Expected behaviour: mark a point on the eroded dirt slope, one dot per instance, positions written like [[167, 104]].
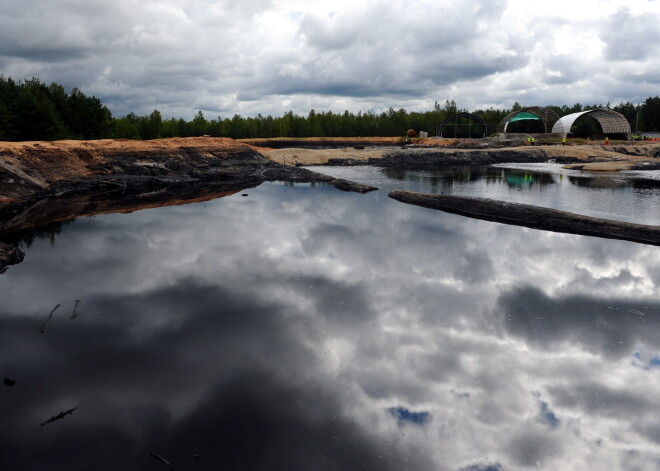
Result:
[[31, 170], [45, 168]]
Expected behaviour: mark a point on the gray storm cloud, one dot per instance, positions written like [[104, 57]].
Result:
[[268, 57]]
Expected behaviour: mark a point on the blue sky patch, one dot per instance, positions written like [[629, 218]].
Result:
[[547, 416], [403, 415], [639, 362], [488, 467]]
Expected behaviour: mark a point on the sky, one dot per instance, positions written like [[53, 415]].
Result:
[[270, 56]]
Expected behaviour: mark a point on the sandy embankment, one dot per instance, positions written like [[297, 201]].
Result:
[[31, 170], [588, 157], [319, 156], [608, 159]]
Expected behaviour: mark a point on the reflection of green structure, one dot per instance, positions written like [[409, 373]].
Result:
[[519, 180], [546, 117]]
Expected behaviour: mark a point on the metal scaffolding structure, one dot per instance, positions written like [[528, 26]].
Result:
[[610, 121], [547, 116], [472, 117]]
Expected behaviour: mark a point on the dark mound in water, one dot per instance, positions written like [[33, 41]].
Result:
[[535, 217]]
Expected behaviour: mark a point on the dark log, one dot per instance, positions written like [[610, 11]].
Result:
[[535, 217]]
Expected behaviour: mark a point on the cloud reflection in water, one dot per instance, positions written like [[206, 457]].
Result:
[[280, 330]]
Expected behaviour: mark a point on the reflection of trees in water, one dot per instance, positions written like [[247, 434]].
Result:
[[610, 183], [446, 177], [598, 182], [440, 180], [12, 242], [27, 237], [395, 173], [641, 184]]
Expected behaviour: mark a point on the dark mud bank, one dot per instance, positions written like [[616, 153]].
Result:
[[19, 221], [534, 217], [44, 217], [430, 158]]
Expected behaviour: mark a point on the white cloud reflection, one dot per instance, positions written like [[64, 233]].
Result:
[[284, 326]]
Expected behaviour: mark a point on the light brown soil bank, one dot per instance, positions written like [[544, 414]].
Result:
[[413, 157], [323, 142], [37, 169], [299, 156], [532, 216]]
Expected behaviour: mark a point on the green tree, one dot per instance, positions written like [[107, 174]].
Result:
[[451, 108], [630, 111], [7, 119], [150, 127], [650, 114], [199, 124], [38, 119], [125, 128]]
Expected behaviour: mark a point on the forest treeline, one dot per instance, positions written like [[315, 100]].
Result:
[[33, 110]]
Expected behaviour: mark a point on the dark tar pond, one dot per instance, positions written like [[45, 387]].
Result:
[[303, 328]]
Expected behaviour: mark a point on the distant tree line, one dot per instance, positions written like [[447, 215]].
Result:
[[32, 110]]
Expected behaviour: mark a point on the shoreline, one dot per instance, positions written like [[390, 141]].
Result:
[[590, 157], [51, 182], [30, 171], [44, 183]]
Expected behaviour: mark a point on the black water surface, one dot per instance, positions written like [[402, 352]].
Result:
[[306, 328]]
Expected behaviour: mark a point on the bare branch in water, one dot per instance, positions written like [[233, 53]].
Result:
[[59, 416], [50, 316], [75, 306], [161, 459]]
